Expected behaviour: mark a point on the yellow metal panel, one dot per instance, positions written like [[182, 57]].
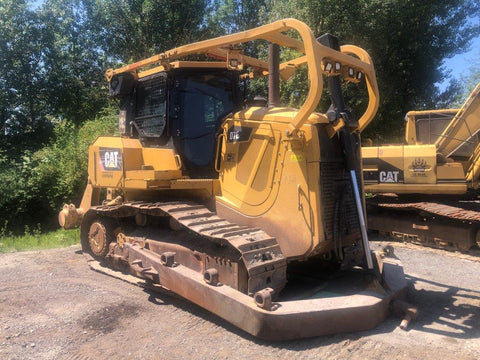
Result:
[[290, 211], [161, 159], [370, 152], [420, 164], [108, 141], [248, 167], [294, 211], [106, 162], [392, 155], [277, 114], [132, 166], [153, 174], [132, 154], [450, 172], [147, 184]]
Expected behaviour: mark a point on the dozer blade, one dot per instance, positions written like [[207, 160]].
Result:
[[324, 313]]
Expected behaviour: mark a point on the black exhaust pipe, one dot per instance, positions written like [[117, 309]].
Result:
[[273, 75]]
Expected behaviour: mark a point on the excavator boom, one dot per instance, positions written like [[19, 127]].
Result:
[[463, 128]]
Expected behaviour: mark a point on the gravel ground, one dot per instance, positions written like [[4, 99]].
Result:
[[52, 306]]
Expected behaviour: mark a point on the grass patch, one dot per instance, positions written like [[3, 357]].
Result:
[[35, 240]]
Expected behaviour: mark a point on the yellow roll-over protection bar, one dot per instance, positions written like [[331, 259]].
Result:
[[315, 56]]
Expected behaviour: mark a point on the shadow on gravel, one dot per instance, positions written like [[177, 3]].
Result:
[[158, 296], [445, 310]]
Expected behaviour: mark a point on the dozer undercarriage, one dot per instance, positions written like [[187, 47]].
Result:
[[246, 259], [239, 273]]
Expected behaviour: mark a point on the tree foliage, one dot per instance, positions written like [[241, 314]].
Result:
[[35, 186], [22, 77], [469, 80], [74, 63], [230, 16], [135, 29]]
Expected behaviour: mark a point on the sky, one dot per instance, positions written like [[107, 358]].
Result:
[[460, 64]]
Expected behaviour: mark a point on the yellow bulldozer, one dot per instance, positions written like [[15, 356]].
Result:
[[249, 209], [426, 190]]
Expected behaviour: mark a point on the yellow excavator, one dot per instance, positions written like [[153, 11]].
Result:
[[426, 189], [249, 209]]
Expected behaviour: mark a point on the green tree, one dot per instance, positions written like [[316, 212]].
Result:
[[50, 65], [469, 80], [74, 63], [130, 30], [230, 16], [22, 82], [34, 187]]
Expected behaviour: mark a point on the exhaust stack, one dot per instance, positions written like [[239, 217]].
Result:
[[273, 75]]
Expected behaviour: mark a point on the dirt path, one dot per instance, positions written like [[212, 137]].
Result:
[[52, 306]]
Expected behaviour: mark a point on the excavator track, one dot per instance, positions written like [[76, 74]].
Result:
[[259, 253], [440, 225]]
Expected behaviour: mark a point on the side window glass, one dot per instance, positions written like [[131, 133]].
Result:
[[201, 101]]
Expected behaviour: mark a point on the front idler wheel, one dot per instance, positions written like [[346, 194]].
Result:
[[100, 235]]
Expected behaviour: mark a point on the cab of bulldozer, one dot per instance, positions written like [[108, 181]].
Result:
[[182, 108]]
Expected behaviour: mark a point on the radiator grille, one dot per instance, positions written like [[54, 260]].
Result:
[[335, 182], [150, 109]]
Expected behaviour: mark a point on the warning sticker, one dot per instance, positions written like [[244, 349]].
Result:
[[296, 157]]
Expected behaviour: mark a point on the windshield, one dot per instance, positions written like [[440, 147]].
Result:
[[202, 100]]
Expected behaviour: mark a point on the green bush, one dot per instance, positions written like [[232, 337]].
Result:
[[35, 187]]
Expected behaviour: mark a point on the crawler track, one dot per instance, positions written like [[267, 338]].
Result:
[[449, 226], [187, 249], [259, 253]]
